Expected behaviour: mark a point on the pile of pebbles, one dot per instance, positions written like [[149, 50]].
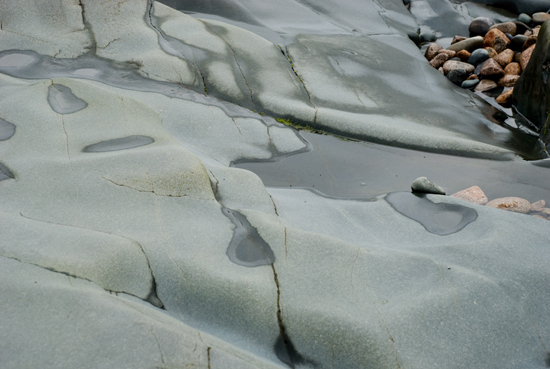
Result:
[[476, 195], [515, 204], [493, 56]]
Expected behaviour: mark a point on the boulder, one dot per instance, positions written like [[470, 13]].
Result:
[[480, 26], [532, 90], [470, 44], [513, 69], [452, 64], [486, 85], [491, 69], [472, 194], [423, 184], [432, 51], [515, 204], [507, 27]]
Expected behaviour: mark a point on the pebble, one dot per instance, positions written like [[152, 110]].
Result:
[[515, 204], [508, 80], [521, 27], [463, 55], [531, 40], [538, 206], [452, 64], [517, 59], [480, 26], [473, 76], [423, 184], [508, 27], [470, 44], [469, 83], [526, 56], [473, 194], [432, 51], [439, 60], [451, 53], [458, 39], [500, 44], [492, 37], [540, 17], [535, 31], [492, 52], [505, 98], [457, 76], [504, 58], [513, 69], [517, 42], [491, 69], [478, 56], [525, 18], [486, 85], [546, 211]]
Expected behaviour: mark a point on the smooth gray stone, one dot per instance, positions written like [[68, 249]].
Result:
[[470, 83], [525, 18], [478, 56], [480, 26], [470, 44], [423, 184]]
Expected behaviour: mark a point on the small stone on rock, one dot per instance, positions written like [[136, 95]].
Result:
[[452, 64], [526, 56], [505, 57], [450, 53], [469, 83], [531, 40], [540, 17], [457, 76], [473, 194], [480, 26], [439, 60], [513, 69], [469, 44], [492, 37], [508, 80], [515, 204], [423, 184], [508, 27], [505, 98], [478, 56], [458, 39], [517, 42], [491, 69], [463, 55], [486, 85], [492, 52], [472, 76], [432, 51], [524, 18], [538, 206]]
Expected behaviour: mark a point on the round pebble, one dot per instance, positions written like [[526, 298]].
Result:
[[524, 18], [457, 76], [478, 56], [480, 26], [470, 83], [517, 42]]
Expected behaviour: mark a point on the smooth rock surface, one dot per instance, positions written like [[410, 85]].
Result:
[[480, 26]]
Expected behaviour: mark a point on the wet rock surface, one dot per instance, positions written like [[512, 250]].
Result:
[[161, 208]]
